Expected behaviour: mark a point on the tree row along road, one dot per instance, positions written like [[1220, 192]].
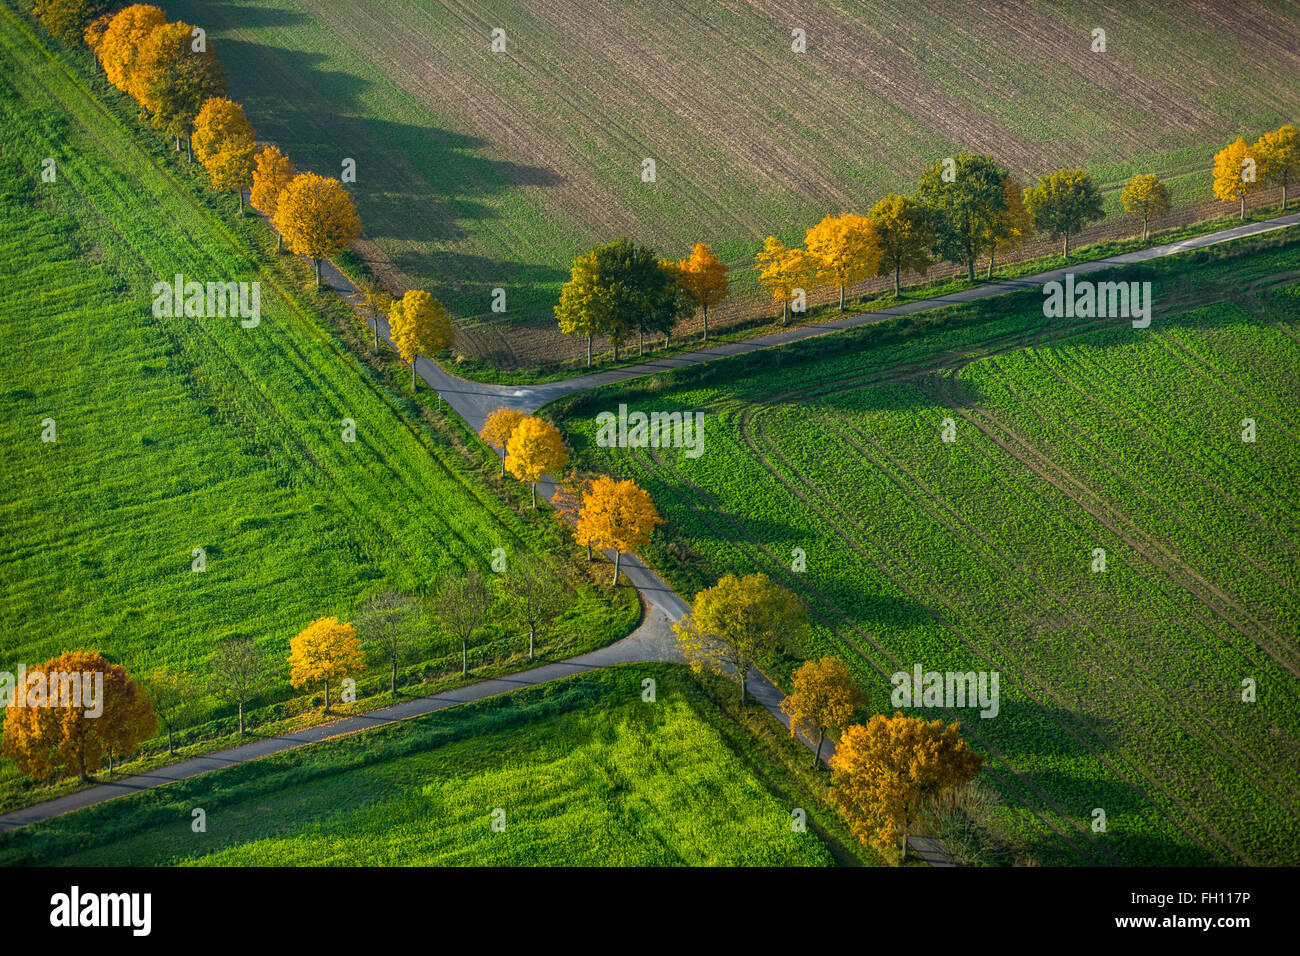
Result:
[[653, 639]]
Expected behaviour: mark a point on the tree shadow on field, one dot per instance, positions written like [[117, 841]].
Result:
[[1127, 839], [415, 183], [225, 12]]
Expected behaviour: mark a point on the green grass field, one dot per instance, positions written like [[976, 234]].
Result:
[[1119, 690], [479, 170], [178, 433], [586, 772]]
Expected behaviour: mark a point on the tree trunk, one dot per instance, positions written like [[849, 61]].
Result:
[[1243, 207], [743, 678], [317, 262], [1144, 230], [534, 484], [618, 555], [588, 351], [991, 255], [532, 637], [817, 754], [589, 558], [640, 341], [414, 381], [503, 461], [1284, 197], [785, 306], [615, 353], [240, 193], [279, 246], [706, 305], [189, 148], [897, 270], [970, 268], [327, 697], [393, 683], [841, 297], [110, 763], [1067, 247], [376, 328], [170, 748], [241, 718], [464, 658]]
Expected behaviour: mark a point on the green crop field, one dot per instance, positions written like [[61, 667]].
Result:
[[478, 170], [180, 433], [1121, 689], [586, 772]]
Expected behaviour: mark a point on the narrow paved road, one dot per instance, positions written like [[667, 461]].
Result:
[[653, 639], [474, 401]]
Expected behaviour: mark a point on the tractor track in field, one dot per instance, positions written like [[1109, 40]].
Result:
[[1279, 523], [1118, 524], [1099, 396], [936, 506], [831, 610], [378, 532], [837, 517], [1137, 486]]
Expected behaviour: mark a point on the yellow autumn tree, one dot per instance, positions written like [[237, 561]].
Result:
[[846, 247], [68, 19], [783, 270], [272, 171], [68, 719], [224, 143], [419, 325], [1237, 173], [823, 697], [906, 233], [535, 448], [317, 217], [325, 650], [497, 429], [1279, 153], [177, 80], [884, 772], [584, 304], [1010, 226], [704, 276], [121, 45], [619, 515], [1145, 197], [94, 35], [737, 624]]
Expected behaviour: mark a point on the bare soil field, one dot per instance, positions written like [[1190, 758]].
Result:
[[479, 170]]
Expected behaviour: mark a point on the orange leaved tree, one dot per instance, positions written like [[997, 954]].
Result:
[[705, 277], [121, 43], [535, 448], [619, 515], [224, 142], [317, 217], [68, 19], [73, 710], [272, 171], [824, 696], [325, 650], [497, 429], [884, 772], [176, 80]]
